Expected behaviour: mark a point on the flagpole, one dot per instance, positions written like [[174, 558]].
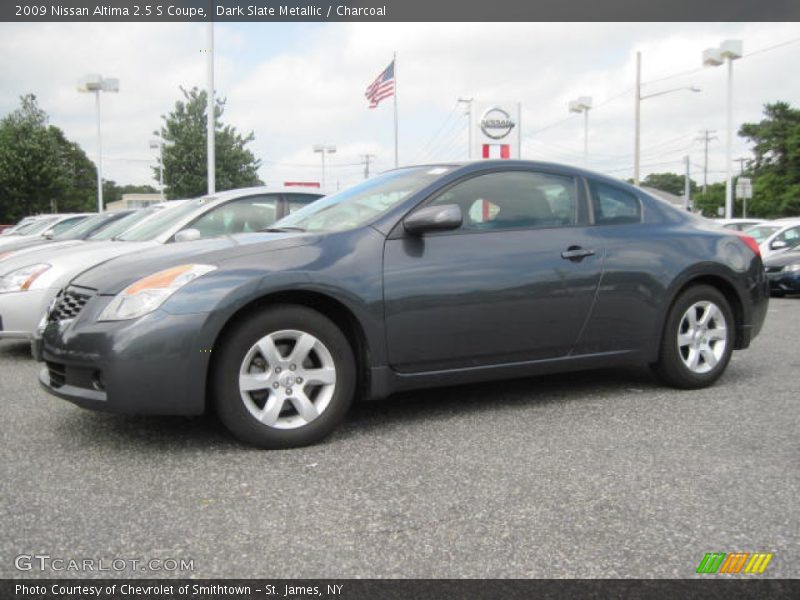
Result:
[[394, 62]]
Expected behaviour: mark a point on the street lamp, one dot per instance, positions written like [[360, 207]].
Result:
[[96, 84], [324, 149], [468, 113], [582, 105], [158, 144], [638, 102], [728, 51]]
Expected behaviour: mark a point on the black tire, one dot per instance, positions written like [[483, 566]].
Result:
[[777, 294], [234, 348], [670, 367]]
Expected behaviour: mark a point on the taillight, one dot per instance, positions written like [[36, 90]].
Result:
[[751, 243]]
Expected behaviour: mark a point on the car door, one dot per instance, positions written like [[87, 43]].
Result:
[[516, 282]]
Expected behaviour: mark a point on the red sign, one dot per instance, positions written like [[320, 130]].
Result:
[[311, 184]]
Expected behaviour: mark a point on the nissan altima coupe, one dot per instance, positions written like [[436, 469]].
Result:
[[423, 276]]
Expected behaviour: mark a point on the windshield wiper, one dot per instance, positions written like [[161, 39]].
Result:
[[281, 229]]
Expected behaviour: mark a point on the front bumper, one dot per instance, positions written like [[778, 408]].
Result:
[[20, 312], [152, 365], [784, 282]]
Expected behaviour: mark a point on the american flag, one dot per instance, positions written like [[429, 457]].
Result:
[[382, 87]]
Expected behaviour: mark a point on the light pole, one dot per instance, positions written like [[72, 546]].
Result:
[[159, 143], [324, 149], [637, 111], [728, 51], [96, 84], [468, 102], [582, 105], [211, 127]]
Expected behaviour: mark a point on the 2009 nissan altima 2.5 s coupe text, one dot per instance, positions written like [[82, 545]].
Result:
[[423, 276]]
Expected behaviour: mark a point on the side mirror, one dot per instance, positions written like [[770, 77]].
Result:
[[187, 235], [434, 218], [778, 244]]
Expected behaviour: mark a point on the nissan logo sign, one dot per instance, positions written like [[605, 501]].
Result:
[[496, 123]]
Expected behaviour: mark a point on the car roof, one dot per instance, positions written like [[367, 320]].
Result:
[[262, 189]]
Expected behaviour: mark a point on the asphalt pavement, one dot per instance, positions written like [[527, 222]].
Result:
[[597, 474]]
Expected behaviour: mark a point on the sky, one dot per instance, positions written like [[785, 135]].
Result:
[[299, 84]]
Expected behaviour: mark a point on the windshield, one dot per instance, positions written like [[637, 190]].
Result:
[[37, 226], [122, 225], [361, 203], [761, 232], [158, 224], [77, 232]]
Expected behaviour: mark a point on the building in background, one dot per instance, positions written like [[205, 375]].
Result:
[[131, 201]]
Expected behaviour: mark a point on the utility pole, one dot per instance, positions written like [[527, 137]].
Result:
[[741, 162], [705, 137], [367, 158], [687, 184]]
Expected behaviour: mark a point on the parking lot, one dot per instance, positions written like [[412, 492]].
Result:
[[601, 474]]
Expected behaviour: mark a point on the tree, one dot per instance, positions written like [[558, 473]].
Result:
[[184, 154], [776, 165], [40, 170], [668, 182]]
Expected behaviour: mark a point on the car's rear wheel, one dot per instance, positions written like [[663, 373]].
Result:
[[284, 377], [698, 339]]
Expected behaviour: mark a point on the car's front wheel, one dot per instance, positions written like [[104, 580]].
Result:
[[698, 339], [283, 378]]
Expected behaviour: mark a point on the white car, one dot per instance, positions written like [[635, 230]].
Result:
[[739, 224], [775, 237], [30, 282]]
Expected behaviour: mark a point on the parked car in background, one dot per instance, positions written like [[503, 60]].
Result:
[[783, 272], [80, 231], [21, 223], [42, 228], [30, 281], [420, 277], [739, 224], [775, 237]]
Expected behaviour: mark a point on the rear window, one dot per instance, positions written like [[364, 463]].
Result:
[[614, 206]]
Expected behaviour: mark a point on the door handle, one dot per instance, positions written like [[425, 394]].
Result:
[[576, 253]]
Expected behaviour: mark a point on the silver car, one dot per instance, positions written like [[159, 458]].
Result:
[[42, 227], [30, 282]]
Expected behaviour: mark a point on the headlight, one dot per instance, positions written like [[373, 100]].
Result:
[[21, 279], [794, 267], [147, 294]]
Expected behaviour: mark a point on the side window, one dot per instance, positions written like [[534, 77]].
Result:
[[239, 216], [298, 201], [790, 236], [514, 199], [613, 206]]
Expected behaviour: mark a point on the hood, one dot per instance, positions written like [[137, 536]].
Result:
[[781, 260], [113, 276]]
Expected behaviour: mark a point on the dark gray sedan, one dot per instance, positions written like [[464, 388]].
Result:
[[423, 276]]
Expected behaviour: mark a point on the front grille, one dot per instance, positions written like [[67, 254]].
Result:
[[57, 373], [68, 305], [774, 269]]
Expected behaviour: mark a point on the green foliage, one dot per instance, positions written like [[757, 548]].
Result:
[[668, 182], [40, 170], [184, 130], [775, 168]]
